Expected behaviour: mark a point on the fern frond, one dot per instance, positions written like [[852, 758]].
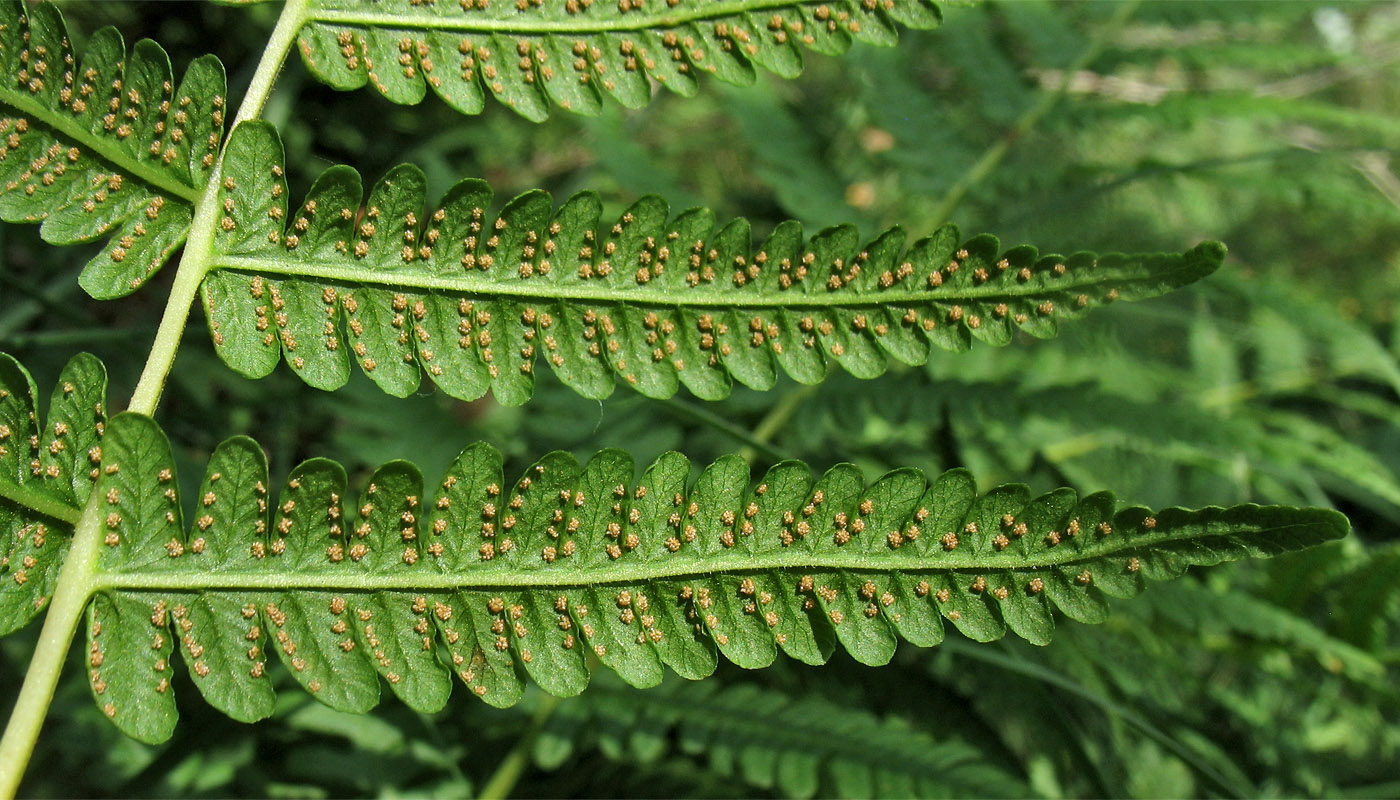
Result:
[[46, 475], [1282, 452], [659, 302], [1293, 332], [1194, 606], [103, 145], [526, 578], [573, 54], [798, 746], [1268, 424], [1368, 592]]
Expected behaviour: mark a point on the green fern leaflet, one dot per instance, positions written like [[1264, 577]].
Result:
[[526, 578], [46, 475], [798, 746], [103, 146], [533, 55], [475, 300]]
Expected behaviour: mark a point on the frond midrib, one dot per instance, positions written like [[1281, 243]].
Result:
[[106, 150], [526, 25], [698, 567], [713, 296], [38, 503]]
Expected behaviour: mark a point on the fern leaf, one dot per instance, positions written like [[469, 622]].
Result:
[[532, 57], [46, 475], [1196, 607], [796, 745], [658, 301], [524, 579], [1369, 593], [104, 144]]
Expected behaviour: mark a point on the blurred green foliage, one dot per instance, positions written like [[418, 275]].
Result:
[[1269, 125]]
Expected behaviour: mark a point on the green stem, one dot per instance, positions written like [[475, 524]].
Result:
[[194, 265], [74, 588], [539, 23], [508, 774], [775, 419], [197, 258], [992, 157], [1072, 447], [707, 417], [78, 577], [356, 272], [38, 502]]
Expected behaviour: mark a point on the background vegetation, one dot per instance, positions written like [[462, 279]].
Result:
[[1270, 125]]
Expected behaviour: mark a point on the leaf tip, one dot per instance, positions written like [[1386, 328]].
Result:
[[1210, 252], [1332, 524]]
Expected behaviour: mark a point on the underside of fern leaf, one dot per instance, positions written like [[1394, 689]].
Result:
[[493, 581], [46, 475], [572, 54], [103, 144], [475, 299]]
